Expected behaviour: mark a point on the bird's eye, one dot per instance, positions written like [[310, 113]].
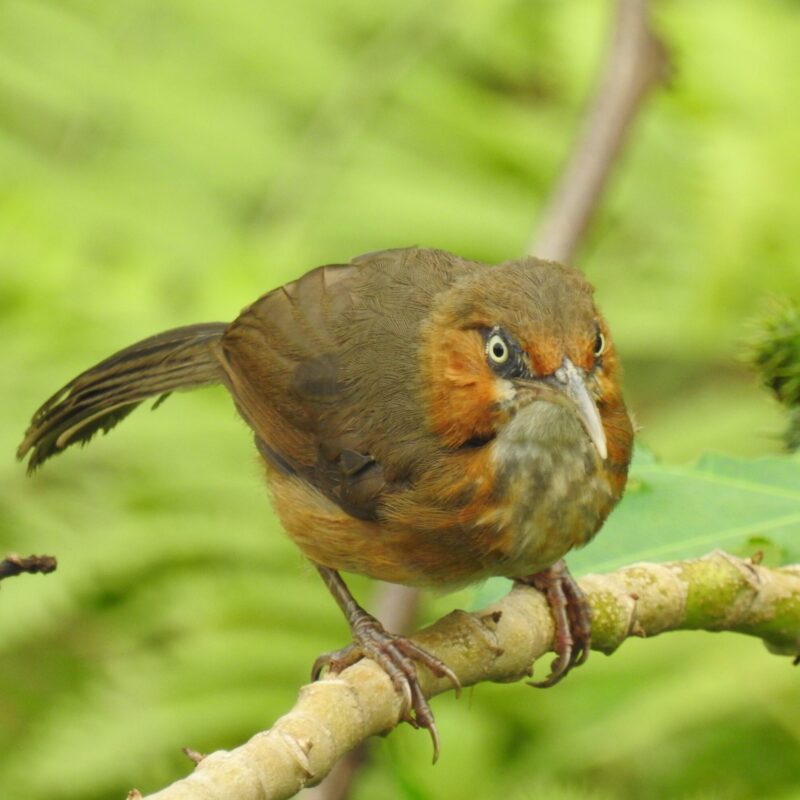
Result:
[[497, 349], [599, 345]]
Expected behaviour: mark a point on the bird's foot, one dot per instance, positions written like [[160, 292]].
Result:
[[572, 617], [396, 656]]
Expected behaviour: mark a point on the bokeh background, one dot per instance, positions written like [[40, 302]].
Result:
[[164, 162]]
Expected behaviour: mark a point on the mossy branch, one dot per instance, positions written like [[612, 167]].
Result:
[[718, 592]]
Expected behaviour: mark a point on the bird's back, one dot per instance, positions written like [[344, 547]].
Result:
[[325, 370]]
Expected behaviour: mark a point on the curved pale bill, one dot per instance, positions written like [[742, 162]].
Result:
[[570, 381]]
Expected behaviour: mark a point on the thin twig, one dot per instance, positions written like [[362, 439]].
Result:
[[635, 63], [14, 564]]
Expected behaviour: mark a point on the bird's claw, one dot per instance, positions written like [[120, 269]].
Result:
[[572, 618], [396, 656]]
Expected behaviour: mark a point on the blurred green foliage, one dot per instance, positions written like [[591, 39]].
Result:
[[163, 162]]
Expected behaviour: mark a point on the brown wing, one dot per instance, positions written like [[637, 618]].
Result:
[[325, 371]]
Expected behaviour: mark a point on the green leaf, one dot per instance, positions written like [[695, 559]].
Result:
[[675, 512]]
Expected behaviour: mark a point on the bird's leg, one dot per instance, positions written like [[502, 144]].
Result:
[[572, 617], [394, 654]]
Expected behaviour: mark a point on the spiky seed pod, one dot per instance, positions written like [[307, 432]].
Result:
[[774, 352]]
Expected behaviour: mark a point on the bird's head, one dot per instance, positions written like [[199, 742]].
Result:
[[514, 334]]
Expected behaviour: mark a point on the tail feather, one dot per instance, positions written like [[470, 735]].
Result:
[[104, 395]]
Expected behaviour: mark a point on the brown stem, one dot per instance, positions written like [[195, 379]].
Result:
[[635, 63]]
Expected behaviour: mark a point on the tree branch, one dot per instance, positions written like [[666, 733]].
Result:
[[635, 63], [14, 564], [715, 593]]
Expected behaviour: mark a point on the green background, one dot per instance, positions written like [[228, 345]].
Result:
[[165, 162]]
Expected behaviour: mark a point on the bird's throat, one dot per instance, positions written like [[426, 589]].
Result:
[[553, 484]]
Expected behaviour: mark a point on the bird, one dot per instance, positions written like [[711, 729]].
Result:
[[422, 418]]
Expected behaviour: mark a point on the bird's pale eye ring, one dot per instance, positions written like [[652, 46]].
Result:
[[497, 349], [599, 345]]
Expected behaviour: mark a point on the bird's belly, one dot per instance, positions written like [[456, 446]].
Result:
[[555, 493], [512, 509]]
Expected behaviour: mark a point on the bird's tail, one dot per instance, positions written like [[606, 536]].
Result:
[[182, 358]]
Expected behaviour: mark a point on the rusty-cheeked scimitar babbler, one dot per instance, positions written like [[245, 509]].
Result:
[[422, 418]]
